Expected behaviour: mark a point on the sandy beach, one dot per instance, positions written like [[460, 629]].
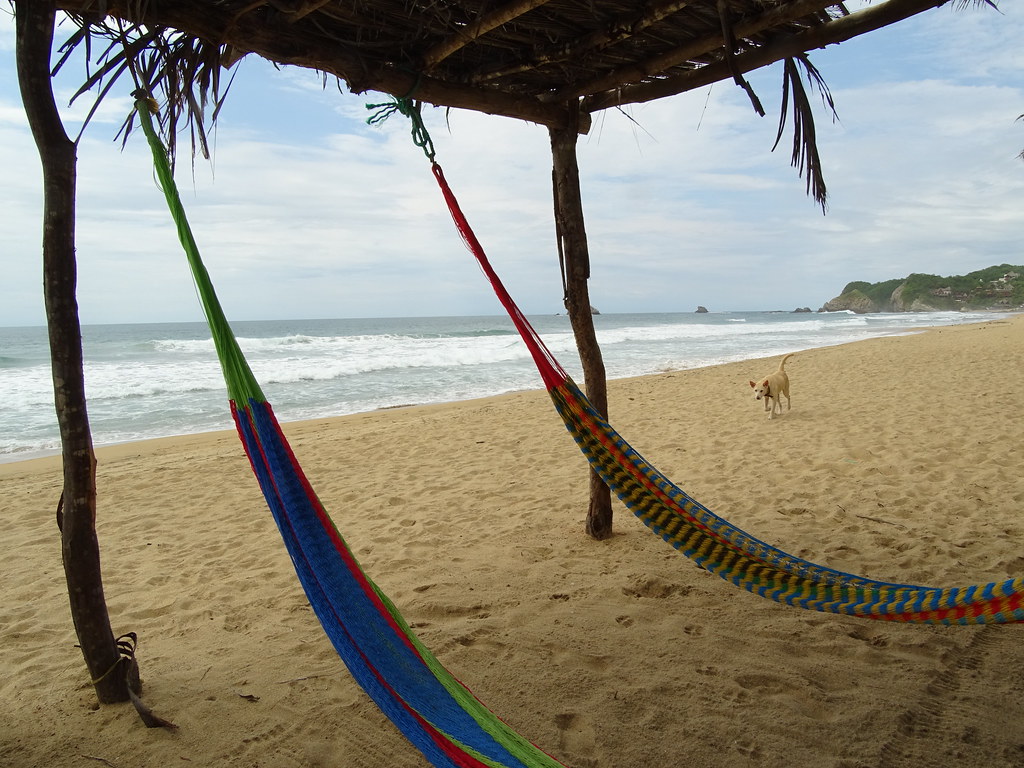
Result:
[[900, 460]]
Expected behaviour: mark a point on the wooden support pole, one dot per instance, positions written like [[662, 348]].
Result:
[[77, 517], [573, 241]]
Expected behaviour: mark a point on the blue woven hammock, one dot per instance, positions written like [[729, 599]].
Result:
[[438, 714]]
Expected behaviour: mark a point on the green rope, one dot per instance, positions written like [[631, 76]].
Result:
[[411, 109], [241, 383]]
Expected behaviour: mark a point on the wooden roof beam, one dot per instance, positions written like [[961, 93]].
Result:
[[307, 9], [476, 29], [836, 31], [613, 32], [695, 49]]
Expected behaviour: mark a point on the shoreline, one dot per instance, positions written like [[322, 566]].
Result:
[[8, 459], [892, 464]]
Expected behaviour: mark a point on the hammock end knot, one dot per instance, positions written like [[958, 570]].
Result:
[[411, 109], [144, 99]]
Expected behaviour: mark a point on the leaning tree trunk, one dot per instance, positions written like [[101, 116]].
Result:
[[572, 236], [77, 517]]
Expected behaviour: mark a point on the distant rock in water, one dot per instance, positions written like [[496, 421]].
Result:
[[801, 309], [702, 310], [594, 310]]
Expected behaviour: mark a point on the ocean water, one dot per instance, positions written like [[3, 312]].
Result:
[[145, 381]]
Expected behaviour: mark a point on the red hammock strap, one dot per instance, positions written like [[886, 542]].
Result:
[[550, 370]]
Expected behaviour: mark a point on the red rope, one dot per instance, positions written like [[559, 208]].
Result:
[[550, 370]]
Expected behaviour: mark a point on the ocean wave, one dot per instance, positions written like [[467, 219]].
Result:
[[143, 384], [687, 333]]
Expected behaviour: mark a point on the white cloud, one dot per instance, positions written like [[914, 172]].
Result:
[[306, 211]]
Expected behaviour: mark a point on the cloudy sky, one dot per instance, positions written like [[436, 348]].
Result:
[[305, 211]]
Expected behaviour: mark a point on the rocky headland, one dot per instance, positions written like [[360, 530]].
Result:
[[996, 287]]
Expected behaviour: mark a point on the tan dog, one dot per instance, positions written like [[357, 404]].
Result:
[[774, 386]]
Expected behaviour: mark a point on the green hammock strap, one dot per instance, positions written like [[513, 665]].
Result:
[[242, 385], [411, 109]]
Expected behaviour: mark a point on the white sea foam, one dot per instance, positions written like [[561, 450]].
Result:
[[154, 380]]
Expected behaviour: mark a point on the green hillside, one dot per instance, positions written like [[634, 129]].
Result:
[[995, 287]]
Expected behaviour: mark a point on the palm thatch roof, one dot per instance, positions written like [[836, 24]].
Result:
[[535, 60], [552, 62]]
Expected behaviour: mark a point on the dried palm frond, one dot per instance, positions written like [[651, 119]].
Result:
[[183, 72], [805, 149], [1021, 155]]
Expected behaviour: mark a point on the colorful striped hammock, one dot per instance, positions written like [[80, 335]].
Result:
[[712, 542], [436, 712]]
